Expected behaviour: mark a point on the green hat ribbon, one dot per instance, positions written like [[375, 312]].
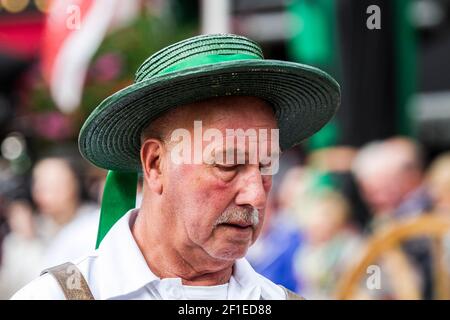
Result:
[[207, 59], [119, 196]]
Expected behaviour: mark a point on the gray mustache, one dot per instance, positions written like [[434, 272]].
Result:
[[248, 215]]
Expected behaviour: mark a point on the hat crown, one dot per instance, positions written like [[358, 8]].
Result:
[[194, 48]]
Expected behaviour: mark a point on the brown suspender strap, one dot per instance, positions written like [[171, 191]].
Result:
[[71, 281]]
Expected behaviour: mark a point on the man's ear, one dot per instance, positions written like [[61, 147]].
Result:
[[152, 151]]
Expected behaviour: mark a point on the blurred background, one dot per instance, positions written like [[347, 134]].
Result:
[[359, 211]]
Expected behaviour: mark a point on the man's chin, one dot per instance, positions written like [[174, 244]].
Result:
[[230, 252]]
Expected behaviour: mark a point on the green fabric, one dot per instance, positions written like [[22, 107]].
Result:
[[208, 59], [313, 32], [327, 137], [406, 65], [314, 40], [311, 40], [119, 196]]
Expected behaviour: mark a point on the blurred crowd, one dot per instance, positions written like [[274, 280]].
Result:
[[56, 222], [326, 210], [323, 210]]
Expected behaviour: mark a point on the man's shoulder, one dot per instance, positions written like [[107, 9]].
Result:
[[46, 287]]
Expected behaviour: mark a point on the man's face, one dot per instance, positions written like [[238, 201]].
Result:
[[218, 204]]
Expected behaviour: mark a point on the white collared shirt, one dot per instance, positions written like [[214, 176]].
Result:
[[118, 270]]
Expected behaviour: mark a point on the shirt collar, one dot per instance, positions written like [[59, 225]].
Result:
[[244, 282], [119, 255]]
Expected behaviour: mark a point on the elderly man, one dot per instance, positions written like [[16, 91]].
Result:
[[204, 192]]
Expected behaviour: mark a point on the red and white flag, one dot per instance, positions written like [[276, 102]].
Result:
[[74, 31]]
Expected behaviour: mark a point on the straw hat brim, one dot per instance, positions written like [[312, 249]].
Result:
[[304, 100]]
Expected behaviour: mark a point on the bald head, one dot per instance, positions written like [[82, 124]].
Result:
[[388, 170], [408, 153], [397, 154]]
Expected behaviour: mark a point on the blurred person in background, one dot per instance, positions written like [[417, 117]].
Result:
[[391, 177], [330, 242], [22, 249], [272, 255], [64, 228], [438, 183], [71, 223], [94, 182], [333, 167], [414, 196]]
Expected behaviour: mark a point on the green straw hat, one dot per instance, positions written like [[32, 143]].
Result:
[[304, 99]]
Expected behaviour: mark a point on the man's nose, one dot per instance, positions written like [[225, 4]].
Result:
[[252, 190]]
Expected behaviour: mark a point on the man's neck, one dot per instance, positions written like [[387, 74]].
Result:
[[192, 264]]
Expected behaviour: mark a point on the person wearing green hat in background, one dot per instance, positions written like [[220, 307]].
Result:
[[200, 211]]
